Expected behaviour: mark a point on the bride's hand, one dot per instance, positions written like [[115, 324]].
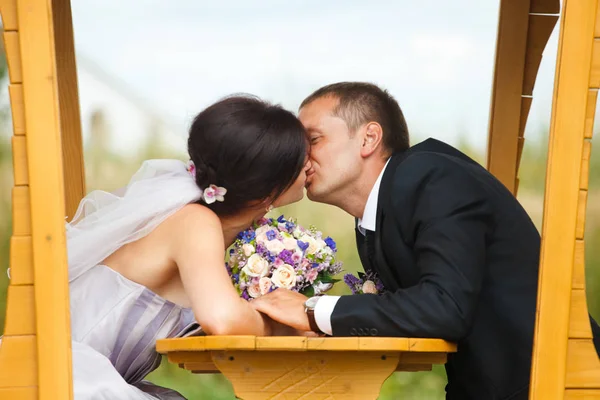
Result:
[[279, 329]]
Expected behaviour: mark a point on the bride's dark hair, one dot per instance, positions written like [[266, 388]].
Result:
[[253, 149]]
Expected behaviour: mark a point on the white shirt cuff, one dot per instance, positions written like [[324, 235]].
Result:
[[323, 311]]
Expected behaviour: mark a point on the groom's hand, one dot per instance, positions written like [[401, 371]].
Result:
[[284, 306]]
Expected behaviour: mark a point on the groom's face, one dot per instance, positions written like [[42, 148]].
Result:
[[334, 152]]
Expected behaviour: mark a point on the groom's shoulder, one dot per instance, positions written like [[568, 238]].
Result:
[[431, 155]]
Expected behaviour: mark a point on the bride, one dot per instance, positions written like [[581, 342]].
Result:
[[147, 262]]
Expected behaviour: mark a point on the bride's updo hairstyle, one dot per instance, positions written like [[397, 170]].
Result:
[[253, 149]]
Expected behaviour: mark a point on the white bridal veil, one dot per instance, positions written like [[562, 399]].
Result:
[[106, 221]]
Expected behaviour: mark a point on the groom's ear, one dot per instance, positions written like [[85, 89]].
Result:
[[372, 136]]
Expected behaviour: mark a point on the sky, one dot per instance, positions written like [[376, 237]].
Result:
[[435, 57]]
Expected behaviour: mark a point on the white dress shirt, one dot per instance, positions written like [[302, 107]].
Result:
[[326, 304]]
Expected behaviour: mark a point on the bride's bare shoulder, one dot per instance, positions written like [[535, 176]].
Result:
[[196, 218]]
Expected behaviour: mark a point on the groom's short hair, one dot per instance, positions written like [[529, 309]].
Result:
[[361, 103]]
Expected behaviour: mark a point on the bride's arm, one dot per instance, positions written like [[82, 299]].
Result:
[[198, 251]]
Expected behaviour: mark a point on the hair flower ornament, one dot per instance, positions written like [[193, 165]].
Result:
[[191, 168], [214, 193]]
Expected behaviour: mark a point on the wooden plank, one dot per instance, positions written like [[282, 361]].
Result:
[[520, 146], [21, 212], [505, 109], [19, 150], [180, 357], [595, 71], [19, 393], [13, 56], [581, 208], [44, 151], [423, 358], [585, 165], [17, 107], [545, 6], [339, 344], [18, 361], [538, 33], [8, 9], [230, 342], [292, 343], [20, 311], [525, 107], [579, 265], [68, 97], [306, 375], [21, 260], [165, 346], [590, 113], [579, 320], [431, 345], [597, 27], [582, 394], [561, 199], [583, 365], [413, 367]]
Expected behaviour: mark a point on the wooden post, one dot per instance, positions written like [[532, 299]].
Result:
[[562, 199], [46, 187]]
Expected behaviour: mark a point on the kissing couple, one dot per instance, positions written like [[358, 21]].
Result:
[[457, 254]]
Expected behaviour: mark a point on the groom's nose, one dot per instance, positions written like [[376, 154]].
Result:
[[308, 164]]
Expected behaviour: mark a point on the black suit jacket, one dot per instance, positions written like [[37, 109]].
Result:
[[458, 256]]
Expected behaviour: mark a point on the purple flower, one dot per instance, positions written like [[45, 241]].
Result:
[[330, 242], [353, 282], [245, 295], [271, 235], [303, 245], [281, 219], [261, 249], [286, 256]]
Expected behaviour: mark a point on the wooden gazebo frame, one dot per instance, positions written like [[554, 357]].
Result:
[[35, 355]]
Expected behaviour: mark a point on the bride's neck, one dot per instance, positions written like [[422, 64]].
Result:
[[238, 223]]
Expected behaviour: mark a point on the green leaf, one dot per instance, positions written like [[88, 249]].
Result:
[[309, 291], [328, 279]]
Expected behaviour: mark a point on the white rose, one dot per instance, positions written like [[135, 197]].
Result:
[[254, 290], [248, 249], [284, 277], [274, 246], [320, 244], [256, 266], [262, 230], [312, 244], [265, 285], [261, 233], [297, 232], [369, 287], [290, 244]]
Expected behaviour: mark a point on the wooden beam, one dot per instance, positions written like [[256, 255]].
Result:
[[505, 109], [68, 98], [44, 153], [562, 198]]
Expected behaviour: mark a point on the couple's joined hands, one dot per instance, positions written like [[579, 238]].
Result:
[[285, 310]]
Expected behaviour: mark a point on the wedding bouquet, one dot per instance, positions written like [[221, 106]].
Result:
[[278, 253], [365, 283]]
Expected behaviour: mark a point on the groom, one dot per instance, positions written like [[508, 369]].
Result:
[[456, 252]]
